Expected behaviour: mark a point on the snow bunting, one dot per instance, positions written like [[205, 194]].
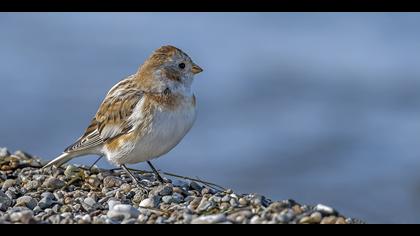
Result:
[[143, 116]]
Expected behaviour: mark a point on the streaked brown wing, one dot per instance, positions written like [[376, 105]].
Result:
[[111, 120]]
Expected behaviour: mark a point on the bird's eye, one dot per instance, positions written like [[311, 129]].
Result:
[[181, 65]]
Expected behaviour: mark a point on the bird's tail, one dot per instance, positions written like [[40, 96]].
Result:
[[60, 160]]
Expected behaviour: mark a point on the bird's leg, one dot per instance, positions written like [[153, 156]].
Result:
[[139, 184], [161, 180], [97, 160]]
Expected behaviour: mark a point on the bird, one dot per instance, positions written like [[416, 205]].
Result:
[[143, 116]]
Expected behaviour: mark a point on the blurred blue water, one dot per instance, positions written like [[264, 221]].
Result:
[[314, 107]]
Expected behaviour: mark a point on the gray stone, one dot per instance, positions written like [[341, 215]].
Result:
[[233, 202], [152, 202], [5, 201], [226, 198], [325, 210], [129, 221], [86, 219], [195, 186], [216, 199], [11, 193], [177, 198], [123, 212], [286, 216], [27, 201], [48, 195], [56, 208], [126, 188], [180, 184], [7, 184], [112, 181], [255, 220], [112, 203], [71, 171], [204, 205], [24, 216], [32, 185], [45, 202], [167, 199], [162, 190], [37, 210], [210, 219], [89, 204], [53, 183]]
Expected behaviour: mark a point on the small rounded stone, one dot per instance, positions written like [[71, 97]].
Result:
[[7, 184], [27, 201], [112, 181], [53, 183]]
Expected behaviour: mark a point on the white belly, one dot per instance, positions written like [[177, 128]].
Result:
[[168, 129]]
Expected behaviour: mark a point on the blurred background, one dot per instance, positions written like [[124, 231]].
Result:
[[317, 107]]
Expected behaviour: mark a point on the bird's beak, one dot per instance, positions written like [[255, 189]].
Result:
[[196, 69]]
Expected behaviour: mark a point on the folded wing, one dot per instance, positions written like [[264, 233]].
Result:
[[111, 120]]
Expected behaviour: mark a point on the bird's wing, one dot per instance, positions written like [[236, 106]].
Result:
[[112, 118]]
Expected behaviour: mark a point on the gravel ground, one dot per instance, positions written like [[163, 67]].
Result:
[[74, 194]]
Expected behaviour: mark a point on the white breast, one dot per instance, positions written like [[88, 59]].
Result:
[[167, 130]]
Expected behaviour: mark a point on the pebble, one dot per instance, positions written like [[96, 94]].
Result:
[[122, 211], [180, 184], [138, 197], [24, 216], [53, 183], [286, 216], [7, 184], [167, 199], [314, 218], [89, 204], [226, 198], [5, 201], [125, 188], [37, 210], [210, 219], [255, 220], [32, 185], [195, 186], [243, 202], [233, 202], [195, 203], [27, 201], [152, 202], [31, 195], [240, 216], [340, 221], [71, 171], [86, 219], [329, 220], [66, 209], [205, 205], [112, 181], [224, 206], [326, 210], [162, 190], [11, 193], [48, 195], [112, 203]]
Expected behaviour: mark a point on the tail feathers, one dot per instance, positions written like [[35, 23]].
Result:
[[60, 160]]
